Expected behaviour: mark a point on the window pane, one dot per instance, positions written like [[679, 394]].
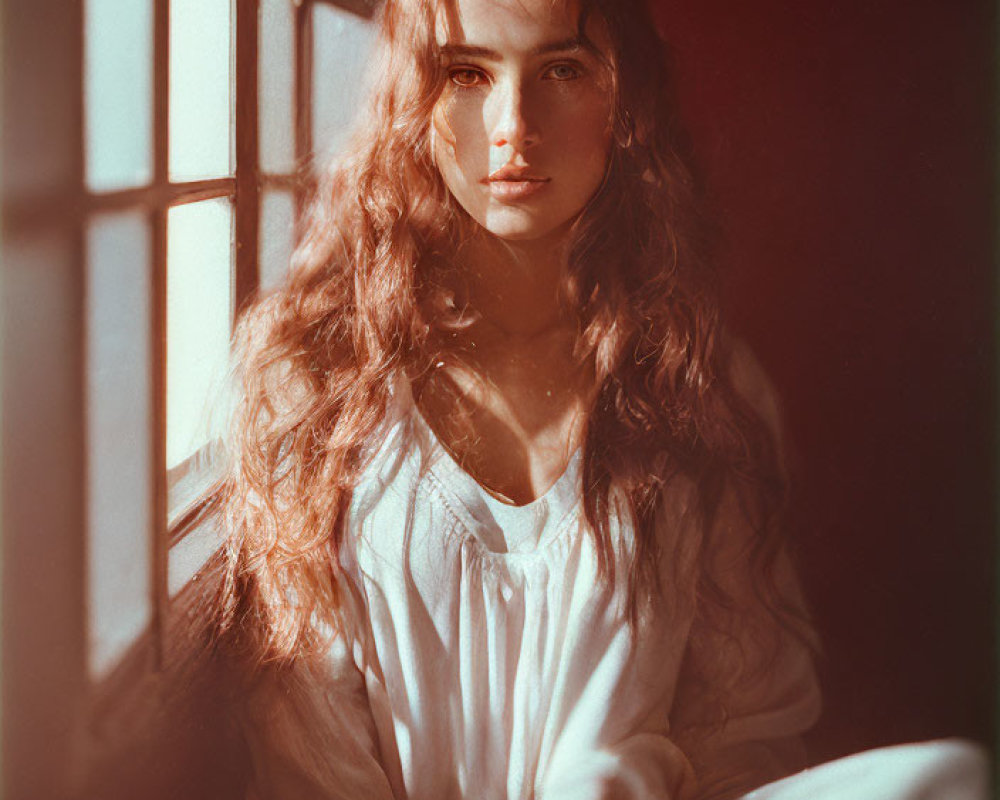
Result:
[[276, 78], [277, 236], [200, 89], [118, 76], [199, 292], [342, 42], [119, 430]]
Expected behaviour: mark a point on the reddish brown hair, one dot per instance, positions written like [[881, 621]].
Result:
[[314, 359]]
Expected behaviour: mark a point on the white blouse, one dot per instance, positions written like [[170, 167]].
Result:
[[486, 662]]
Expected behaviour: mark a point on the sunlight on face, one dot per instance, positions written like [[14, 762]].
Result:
[[521, 131]]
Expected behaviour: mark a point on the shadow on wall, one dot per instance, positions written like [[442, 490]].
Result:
[[849, 148]]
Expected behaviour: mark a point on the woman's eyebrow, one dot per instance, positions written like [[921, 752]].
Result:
[[453, 50], [562, 45], [469, 51]]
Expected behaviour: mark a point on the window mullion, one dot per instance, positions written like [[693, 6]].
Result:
[[158, 332], [303, 102], [247, 212]]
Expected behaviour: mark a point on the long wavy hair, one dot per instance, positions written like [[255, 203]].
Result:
[[314, 359]]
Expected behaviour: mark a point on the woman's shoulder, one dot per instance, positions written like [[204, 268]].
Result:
[[752, 383], [394, 455]]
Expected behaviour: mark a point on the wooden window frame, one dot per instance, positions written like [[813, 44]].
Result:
[[189, 514], [50, 704]]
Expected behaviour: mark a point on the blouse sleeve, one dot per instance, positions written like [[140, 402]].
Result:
[[747, 686], [742, 685], [311, 734], [745, 689]]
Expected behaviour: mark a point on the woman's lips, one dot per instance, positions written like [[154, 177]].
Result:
[[510, 189], [510, 183]]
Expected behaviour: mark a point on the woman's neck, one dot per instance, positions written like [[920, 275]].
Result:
[[514, 286], [510, 406]]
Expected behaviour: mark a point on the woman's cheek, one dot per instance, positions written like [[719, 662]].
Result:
[[465, 119], [442, 133]]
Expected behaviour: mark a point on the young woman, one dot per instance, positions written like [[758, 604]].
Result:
[[504, 492]]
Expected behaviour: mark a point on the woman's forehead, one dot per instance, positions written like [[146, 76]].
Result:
[[524, 23]]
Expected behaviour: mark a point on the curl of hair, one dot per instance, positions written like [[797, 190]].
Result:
[[314, 359]]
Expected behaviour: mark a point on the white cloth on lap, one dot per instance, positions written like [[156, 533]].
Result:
[[949, 769]]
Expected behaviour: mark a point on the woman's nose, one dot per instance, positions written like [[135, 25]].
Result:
[[513, 123]]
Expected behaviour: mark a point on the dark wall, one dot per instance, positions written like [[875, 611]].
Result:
[[849, 145]]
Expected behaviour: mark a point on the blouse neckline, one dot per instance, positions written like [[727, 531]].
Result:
[[503, 528]]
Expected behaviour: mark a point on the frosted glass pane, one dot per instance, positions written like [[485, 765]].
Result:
[[200, 89], [341, 46], [199, 300], [277, 237], [118, 80], [276, 78], [119, 430]]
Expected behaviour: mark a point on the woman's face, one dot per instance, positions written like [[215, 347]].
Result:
[[521, 131]]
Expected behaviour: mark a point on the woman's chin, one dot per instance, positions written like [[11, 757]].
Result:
[[520, 225]]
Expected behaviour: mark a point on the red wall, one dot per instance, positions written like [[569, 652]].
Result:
[[849, 146]]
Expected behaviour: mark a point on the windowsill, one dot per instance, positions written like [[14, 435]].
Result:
[[188, 485], [189, 554], [193, 534]]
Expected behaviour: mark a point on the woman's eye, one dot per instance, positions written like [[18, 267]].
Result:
[[563, 72], [466, 77]]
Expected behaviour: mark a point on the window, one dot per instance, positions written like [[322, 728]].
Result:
[[196, 213], [161, 282], [154, 193]]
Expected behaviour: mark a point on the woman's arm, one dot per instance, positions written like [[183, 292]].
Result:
[[741, 689], [738, 675], [747, 686], [311, 734]]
